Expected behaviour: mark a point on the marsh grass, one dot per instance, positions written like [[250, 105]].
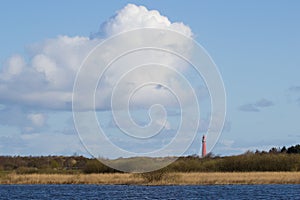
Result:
[[240, 178], [167, 178], [115, 178]]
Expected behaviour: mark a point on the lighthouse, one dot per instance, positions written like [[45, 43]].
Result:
[[203, 146]]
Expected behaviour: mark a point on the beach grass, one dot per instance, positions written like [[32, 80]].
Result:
[[197, 178]]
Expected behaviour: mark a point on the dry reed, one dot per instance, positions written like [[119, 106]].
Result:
[[167, 179]]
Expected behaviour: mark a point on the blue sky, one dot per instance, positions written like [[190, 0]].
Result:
[[255, 45]]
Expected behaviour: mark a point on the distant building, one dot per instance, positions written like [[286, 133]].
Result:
[[203, 146]]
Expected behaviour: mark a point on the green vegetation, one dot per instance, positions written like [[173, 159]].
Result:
[[284, 159], [94, 166], [242, 163]]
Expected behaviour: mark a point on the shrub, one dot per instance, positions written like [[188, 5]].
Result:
[[95, 166], [26, 170], [154, 176]]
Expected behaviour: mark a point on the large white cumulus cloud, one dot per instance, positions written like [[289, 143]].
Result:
[[44, 77], [133, 17]]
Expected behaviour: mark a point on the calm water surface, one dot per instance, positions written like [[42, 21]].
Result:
[[46, 192]]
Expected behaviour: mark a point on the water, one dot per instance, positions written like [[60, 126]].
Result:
[[63, 192]]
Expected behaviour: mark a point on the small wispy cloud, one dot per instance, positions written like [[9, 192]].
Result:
[[227, 143], [256, 106], [248, 108], [263, 103], [294, 89], [295, 92]]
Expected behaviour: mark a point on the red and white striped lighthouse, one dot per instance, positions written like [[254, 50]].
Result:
[[203, 146]]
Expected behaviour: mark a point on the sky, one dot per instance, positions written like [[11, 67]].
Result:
[[254, 44]]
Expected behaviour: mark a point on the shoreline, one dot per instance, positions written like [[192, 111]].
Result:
[[174, 178]]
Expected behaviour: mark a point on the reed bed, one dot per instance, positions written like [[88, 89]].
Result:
[[211, 178], [115, 178], [239, 178]]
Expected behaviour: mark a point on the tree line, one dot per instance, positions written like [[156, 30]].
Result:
[[276, 159]]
